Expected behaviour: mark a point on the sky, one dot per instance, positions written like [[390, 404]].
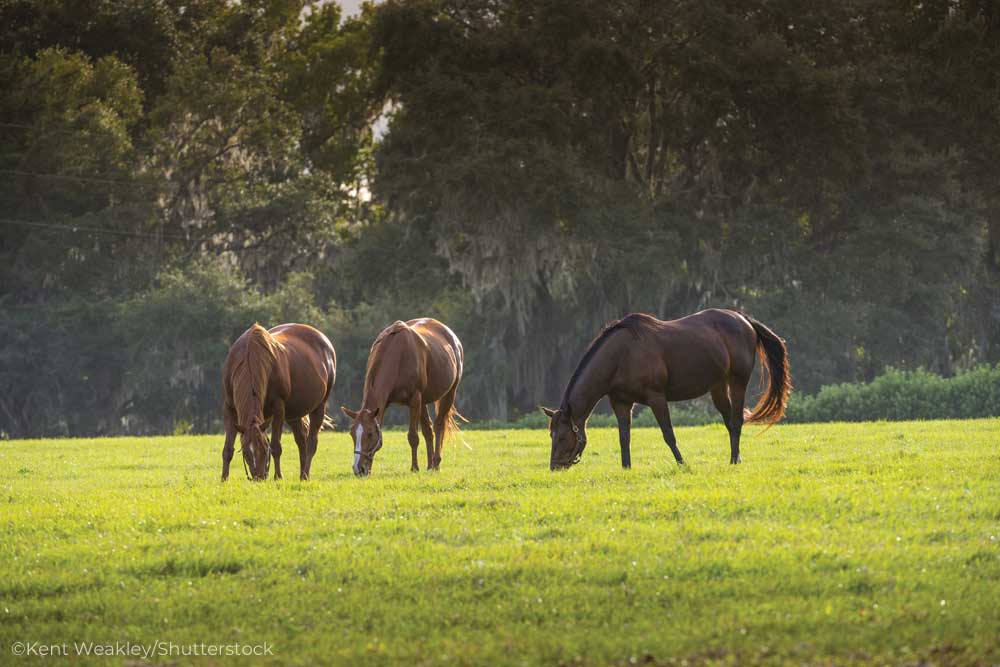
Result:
[[350, 7]]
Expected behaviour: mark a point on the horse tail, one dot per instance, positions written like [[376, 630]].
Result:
[[774, 359], [451, 425], [328, 423]]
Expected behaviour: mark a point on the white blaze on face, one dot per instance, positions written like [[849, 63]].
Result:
[[358, 432]]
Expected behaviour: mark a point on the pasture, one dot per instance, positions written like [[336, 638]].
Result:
[[834, 544]]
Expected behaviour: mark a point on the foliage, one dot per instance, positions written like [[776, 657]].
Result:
[[216, 302], [833, 545], [670, 160], [687, 413], [901, 395], [525, 171], [894, 396]]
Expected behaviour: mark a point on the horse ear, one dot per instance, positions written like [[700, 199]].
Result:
[[549, 412], [351, 414]]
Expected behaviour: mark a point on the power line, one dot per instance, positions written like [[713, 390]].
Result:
[[84, 179], [102, 230], [47, 130], [145, 235]]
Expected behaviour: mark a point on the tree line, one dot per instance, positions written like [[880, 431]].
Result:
[[524, 171]]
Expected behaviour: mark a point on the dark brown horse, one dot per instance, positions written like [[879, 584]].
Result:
[[640, 359], [411, 363], [273, 377]]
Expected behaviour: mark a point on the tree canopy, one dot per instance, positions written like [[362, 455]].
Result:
[[525, 171]]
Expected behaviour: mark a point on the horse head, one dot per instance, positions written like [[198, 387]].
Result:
[[256, 450], [367, 433], [568, 439]]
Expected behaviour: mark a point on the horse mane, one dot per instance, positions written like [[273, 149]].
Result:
[[374, 353], [637, 324], [251, 372]]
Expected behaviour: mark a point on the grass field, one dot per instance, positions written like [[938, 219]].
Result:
[[832, 544]]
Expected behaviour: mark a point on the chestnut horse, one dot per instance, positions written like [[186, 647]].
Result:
[[273, 377], [640, 359], [411, 363]]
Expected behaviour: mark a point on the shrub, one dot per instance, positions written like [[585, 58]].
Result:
[[686, 413], [894, 396], [899, 395]]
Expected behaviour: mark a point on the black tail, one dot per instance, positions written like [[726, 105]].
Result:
[[774, 358]]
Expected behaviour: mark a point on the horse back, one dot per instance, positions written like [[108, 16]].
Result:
[[444, 355], [306, 370], [684, 358], [706, 348]]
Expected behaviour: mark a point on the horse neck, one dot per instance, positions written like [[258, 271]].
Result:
[[381, 376], [251, 385], [582, 401], [592, 383], [375, 399]]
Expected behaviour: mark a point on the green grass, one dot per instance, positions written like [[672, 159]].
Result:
[[831, 544]]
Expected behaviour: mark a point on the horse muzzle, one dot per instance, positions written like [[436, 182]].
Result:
[[256, 470], [566, 463], [363, 468], [563, 464]]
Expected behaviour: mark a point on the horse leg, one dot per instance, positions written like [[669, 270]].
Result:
[[440, 424], [737, 396], [299, 431], [623, 411], [416, 407], [312, 439], [428, 430], [229, 419], [661, 410], [277, 423], [724, 404]]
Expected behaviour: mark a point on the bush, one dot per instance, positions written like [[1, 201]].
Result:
[[686, 413], [894, 396], [178, 333], [900, 395]]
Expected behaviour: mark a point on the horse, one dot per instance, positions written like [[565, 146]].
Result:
[[274, 377], [640, 359], [412, 363]]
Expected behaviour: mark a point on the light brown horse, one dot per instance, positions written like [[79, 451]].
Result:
[[411, 363], [273, 377], [640, 359]]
